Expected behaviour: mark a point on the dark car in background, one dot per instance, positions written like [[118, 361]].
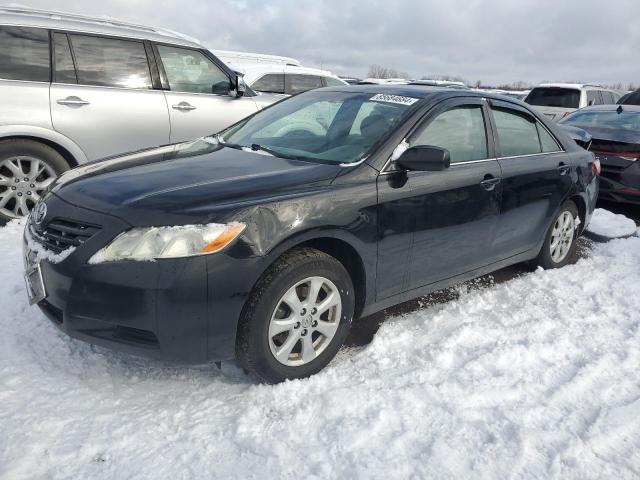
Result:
[[631, 98], [615, 132], [264, 242]]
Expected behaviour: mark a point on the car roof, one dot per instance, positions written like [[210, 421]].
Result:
[[27, 17], [570, 85]]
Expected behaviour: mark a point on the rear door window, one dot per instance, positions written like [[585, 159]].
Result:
[[607, 98], [24, 54], [301, 83], [517, 132], [461, 130], [271, 83], [110, 62], [554, 97], [191, 71]]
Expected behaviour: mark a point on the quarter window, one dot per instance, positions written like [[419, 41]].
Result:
[[517, 133], [593, 97], [65, 72], [271, 83], [460, 130], [302, 83], [24, 54], [110, 62], [191, 71], [547, 142]]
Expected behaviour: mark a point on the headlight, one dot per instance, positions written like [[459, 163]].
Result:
[[152, 243]]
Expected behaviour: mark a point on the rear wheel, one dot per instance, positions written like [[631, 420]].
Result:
[[27, 168], [559, 247], [297, 316]]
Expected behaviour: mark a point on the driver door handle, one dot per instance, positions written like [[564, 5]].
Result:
[[563, 169], [183, 106], [489, 183]]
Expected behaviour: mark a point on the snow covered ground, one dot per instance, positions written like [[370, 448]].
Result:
[[538, 377], [607, 224]]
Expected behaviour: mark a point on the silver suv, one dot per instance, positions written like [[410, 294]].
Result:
[[75, 89]]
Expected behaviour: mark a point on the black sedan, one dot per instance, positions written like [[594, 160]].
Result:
[[615, 132], [265, 241]]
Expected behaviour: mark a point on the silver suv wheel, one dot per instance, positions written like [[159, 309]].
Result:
[[23, 179]]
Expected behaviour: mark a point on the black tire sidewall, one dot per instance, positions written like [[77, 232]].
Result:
[[256, 340], [544, 258]]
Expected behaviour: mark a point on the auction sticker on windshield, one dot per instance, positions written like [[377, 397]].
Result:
[[383, 97]]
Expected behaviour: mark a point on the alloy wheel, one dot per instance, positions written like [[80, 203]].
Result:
[[305, 320], [23, 180], [562, 236]]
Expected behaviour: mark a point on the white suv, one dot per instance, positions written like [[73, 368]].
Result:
[[557, 100], [288, 79], [75, 88]]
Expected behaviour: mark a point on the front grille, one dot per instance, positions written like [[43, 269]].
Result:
[[61, 234]]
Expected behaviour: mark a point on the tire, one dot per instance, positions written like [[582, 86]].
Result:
[[17, 158], [546, 258], [298, 270]]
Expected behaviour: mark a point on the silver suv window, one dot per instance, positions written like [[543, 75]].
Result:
[[190, 71], [111, 62], [24, 54]]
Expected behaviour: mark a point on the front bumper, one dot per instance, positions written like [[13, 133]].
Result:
[[183, 310], [620, 179]]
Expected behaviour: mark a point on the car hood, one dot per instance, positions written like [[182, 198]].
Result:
[[188, 182]]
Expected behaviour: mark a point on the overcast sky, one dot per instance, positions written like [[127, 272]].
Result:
[[495, 41]]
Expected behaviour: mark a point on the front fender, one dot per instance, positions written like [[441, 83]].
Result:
[[40, 133]]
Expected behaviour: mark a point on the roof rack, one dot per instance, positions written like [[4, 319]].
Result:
[[101, 20]]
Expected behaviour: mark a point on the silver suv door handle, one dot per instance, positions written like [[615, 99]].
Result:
[[74, 101], [184, 106]]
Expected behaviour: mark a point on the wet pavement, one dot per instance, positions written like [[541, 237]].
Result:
[[364, 329]]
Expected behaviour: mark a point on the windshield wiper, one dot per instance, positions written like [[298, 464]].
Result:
[[256, 148]]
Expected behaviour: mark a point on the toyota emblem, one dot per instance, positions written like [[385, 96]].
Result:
[[39, 213]]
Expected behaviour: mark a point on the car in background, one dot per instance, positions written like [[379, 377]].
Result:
[[383, 81], [615, 132], [75, 88], [287, 79], [238, 59], [351, 80], [264, 246], [557, 100], [439, 83], [630, 98]]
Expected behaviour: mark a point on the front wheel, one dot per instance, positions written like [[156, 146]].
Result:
[[297, 317], [559, 247]]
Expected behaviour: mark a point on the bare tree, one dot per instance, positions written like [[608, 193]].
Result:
[[378, 71]]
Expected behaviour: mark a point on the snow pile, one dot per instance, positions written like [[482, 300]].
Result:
[[611, 225], [534, 378]]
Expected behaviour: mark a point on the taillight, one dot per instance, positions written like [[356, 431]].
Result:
[[597, 168]]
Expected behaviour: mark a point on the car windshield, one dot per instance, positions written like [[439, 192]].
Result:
[[324, 126], [605, 119], [554, 97]]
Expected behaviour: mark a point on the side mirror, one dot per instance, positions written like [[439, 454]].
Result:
[[425, 158], [239, 86]]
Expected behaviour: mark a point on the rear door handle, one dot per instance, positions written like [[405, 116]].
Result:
[[72, 101], [183, 106], [489, 183], [563, 169]]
